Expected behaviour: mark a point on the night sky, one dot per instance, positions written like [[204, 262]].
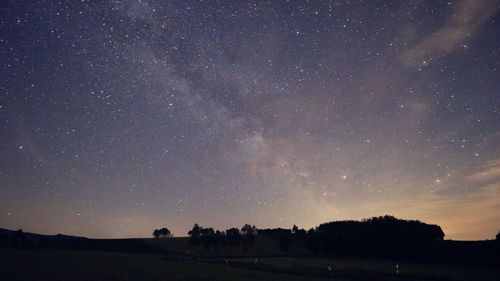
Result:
[[118, 117]]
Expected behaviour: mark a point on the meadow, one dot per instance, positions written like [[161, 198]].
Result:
[[265, 262]]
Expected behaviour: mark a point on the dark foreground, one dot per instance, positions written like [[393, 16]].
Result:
[[22, 264]]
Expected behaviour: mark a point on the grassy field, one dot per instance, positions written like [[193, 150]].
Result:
[[85, 265], [88, 265], [358, 268]]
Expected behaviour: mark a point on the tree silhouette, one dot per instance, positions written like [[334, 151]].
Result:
[[233, 237], [195, 234], [297, 232], [249, 230], [162, 233], [207, 236], [498, 236], [219, 238], [248, 233], [384, 235], [195, 231]]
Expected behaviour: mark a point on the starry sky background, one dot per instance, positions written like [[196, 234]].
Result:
[[118, 117]]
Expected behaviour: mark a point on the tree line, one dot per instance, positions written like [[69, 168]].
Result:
[[384, 235], [366, 237], [207, 237]]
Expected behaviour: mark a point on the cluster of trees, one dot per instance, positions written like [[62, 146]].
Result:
[[162, 233], [232, 237], [373, 236], [385, 234], [285, 237]]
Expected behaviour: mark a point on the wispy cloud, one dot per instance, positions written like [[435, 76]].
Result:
[[491, 171], [466, 19]]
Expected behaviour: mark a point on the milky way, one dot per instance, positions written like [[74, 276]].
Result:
[[120, 117]]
